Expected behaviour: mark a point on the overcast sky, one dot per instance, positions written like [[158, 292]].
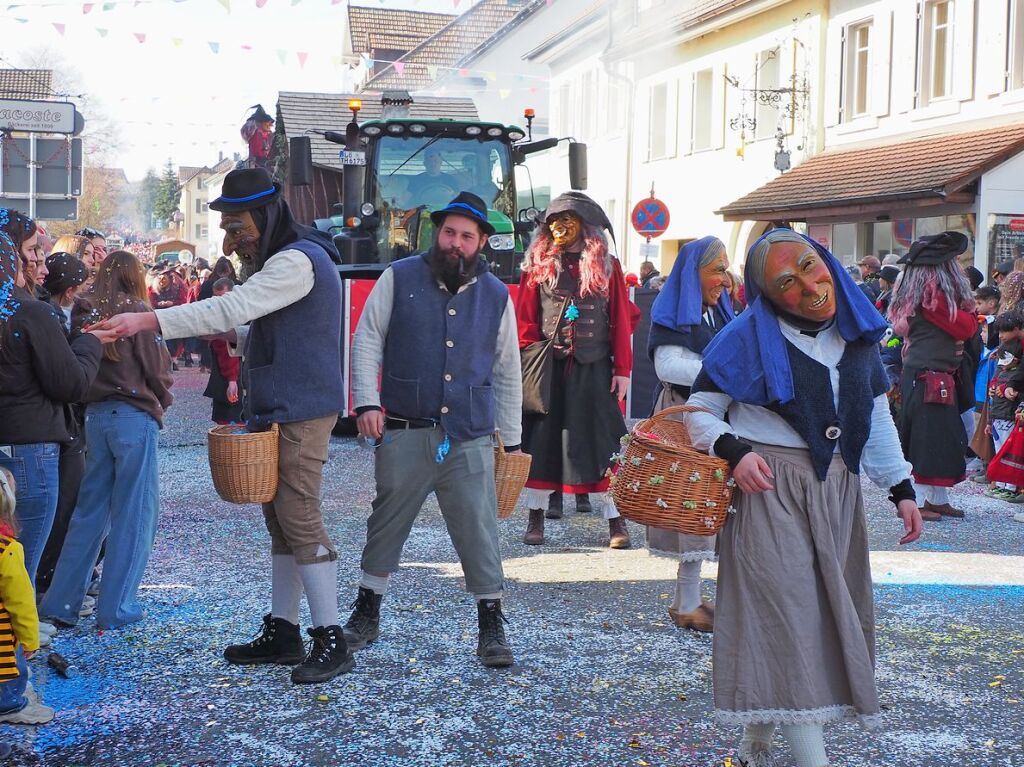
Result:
[[154, 66]]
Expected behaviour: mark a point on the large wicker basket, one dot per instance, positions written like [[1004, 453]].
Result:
[[510, 474], [243, 464], [663, 481]]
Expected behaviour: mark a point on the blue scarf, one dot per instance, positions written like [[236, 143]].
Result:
[[748, 360], [679, 306]]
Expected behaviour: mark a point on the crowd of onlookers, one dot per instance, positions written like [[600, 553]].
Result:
[[79, 418]]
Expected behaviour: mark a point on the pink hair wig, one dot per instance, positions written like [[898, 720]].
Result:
[[543, 261]]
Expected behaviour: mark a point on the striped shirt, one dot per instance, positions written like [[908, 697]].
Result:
[[19, 621]]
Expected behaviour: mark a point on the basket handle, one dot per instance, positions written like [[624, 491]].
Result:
[[501, 442], [662, 414]]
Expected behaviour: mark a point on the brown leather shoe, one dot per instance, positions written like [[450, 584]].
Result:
[[943, 510], [928, 515], [535, 528], [618, 535], [701, 619]]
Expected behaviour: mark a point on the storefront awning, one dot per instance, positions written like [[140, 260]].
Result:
[[902, 174]]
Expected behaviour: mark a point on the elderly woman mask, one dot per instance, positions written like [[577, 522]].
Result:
[[714, 278], [566, 230], [797, 281]]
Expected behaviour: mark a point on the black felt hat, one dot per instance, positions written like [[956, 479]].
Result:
[[465, 204], [936, 249], [583, 206], [245, 189], [260, 115], [63, 271]]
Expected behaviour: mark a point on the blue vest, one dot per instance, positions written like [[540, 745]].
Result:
[[440, 350], [293, 356], [812, 411]]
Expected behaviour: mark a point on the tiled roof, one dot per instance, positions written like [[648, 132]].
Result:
[[566, 31], [931, 167], [384, 28], [299, 112], [658, 25], [26, 83], [186, 172], [464, 34]]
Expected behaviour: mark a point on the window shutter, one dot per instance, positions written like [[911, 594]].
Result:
[[835, 68], [881, 63], [963, 49], [906, 29], [993, 20], [718, 74], [691, 128]]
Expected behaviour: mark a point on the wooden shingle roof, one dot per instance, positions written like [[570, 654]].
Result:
[[931, 169], [445, 48], [299, 112], [389, 29], [26, 84]]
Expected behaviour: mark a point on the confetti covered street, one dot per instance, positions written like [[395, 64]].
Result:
[[602, 677]]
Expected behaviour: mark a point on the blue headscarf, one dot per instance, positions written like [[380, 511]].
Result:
[[679, 306], [748, 360], [8, 269]]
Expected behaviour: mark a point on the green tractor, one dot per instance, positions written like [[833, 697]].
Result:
[[398, 169]]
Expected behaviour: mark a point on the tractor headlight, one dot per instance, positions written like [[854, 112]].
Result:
[[367, 209], [501, 241]]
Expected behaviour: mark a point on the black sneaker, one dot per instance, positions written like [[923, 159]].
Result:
[[328, 656], [492, 647], [363, 625], [277, 642], [554, 506]]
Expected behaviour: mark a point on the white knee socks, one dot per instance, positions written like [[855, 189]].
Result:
[[687, 596], [321, 583], [378, 584], [806, 744], [285, 588], [934, 494]]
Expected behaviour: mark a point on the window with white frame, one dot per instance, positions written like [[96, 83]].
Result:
[[615, 105], [588, 105], [701, 116], [662, 135], [1015, 45], [767, 79], [936, 67], [565, 113], [857, 71]]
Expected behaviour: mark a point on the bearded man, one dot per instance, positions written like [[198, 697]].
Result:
[[439, 333], [292, 378]]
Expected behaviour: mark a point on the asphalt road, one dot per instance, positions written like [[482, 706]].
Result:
[[602, 677]]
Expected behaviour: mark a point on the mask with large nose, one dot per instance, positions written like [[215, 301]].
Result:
[[797, 281]]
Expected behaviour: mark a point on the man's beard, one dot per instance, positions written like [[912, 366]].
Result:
[[452, 269]]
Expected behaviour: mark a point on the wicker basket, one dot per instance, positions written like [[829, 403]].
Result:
[[510, 474], [663, 481], [243, 464]]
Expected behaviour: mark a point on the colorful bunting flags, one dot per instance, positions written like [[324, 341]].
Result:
[[59, 28], [140, 36], [87, 7], [215, 47], [302, 58]]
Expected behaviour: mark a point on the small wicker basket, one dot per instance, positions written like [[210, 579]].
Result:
[[510, 474], [243, 464], [663, 481]]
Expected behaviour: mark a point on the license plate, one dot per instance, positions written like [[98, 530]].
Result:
[[352, 158]]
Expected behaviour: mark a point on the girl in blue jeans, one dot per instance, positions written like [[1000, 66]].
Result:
[[40, 372], [118, 499]]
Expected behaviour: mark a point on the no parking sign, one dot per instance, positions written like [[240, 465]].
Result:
[[650, 217]]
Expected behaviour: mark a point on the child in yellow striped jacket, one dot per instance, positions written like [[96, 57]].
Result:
[[19, 622]]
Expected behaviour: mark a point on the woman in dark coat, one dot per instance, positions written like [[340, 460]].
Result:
[[933, 309], [690, 310]]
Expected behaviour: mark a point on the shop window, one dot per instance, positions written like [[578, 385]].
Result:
[[844, 239], [662, 136], [935, 79], [963, 223], [857, 71], [767, 79], [700, 108], [880, 239], [821, 234], [902, 235]]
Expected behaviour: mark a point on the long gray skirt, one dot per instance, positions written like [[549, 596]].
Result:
[[669, 543], [794, 638]]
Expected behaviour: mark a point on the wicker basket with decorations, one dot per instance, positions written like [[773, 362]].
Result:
[[660, 479]]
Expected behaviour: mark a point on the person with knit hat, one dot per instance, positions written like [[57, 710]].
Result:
[[286, 316]]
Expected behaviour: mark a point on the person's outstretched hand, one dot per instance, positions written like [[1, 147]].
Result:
[[104, 336], [911, 516], [128, 324]]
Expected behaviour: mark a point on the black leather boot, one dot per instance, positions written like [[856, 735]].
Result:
[[278, 642], [554, 506], [583, 503], [492, 647], [363, 624], [328, 656]]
